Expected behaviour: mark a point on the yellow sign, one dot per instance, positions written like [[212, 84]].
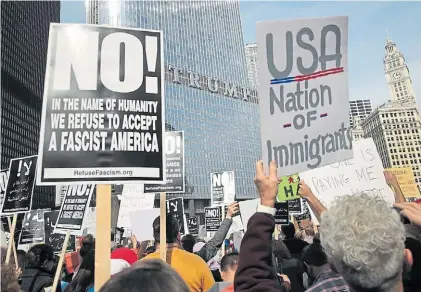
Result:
[[406, 181]]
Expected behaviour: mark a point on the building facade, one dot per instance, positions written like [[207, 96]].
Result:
[[360, 109], [24, 42], [206, 87], [396, 125], [251, 59]]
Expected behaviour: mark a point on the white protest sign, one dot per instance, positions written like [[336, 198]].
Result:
[[141, 222], [89, 224], [133, 199], [222, 188], [303, 92], [363, 173], [247, 209]]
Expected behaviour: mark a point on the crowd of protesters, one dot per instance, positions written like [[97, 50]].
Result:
[[362, 245]]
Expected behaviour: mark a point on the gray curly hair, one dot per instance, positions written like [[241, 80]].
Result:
[[364, 239]]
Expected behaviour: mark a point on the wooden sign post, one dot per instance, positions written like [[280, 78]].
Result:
[[11, 239], [163, 227], [60, 262], [103, 235]]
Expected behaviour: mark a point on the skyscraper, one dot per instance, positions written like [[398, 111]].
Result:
[[360, 108], [251, 58], [24, 42], [396, 126], [205, 88]]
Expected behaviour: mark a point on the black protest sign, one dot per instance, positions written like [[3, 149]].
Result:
[[222, 188], [281, 215], [20, 185], [103, 105], [193, 227], [295, 206], [305, 214], [213, 218], [175, 207], [33, 227], [56, 240], [4, 175], [174, 160], [74, 207]]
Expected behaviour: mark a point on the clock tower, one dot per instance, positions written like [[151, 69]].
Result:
[[397, 74]]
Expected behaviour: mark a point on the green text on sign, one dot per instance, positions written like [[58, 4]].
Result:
[[288, 188]]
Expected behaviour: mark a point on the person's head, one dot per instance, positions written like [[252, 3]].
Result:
[[188, 241], [173, 234], [314, 259], [280, 251], [148, 251], [364, 240], [288, 230], [412, 272], [9, 279], [153, 276], [85, 277], [41, 256], [21, 255], [87, 245], [229, 263]]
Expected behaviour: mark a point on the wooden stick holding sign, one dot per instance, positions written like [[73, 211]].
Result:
[[163, 226], [60, 261], [103, 232], [12, 239], [12, 236], [223, 217]]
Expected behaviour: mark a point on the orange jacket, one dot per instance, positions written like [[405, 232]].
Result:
[[230, 288]]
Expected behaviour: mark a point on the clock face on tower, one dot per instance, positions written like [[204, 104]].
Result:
[[396, 75]]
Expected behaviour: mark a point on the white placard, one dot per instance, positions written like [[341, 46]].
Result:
[[363, 173], [141, 223], [303, 92], [247, 209]]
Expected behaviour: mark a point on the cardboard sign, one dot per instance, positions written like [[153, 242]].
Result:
[[295, 206], [282, 214], [4, 176], [222, 188], [176, 208], [56, 240], [20, 185], [364, 173], [288, 188], [73, 208], [103, 108], [33, 227], [193, 227], [213, 218], [406, 181], [174, 153], [303, 90]]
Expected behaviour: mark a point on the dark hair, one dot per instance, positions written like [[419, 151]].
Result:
[[229, 261], [188, 241], [154, 276], [37, 255], [314, 255], [21, 254], [87, 245], [9, 279], [85, 276], [172, 229], [288, 230], [280, 250], [148, 251], [414, 279]]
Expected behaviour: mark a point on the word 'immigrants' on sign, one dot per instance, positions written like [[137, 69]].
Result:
[[307, 95]]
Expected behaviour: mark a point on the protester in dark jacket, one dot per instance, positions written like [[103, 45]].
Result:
[[255, 272], [40, 269], [294, 245]]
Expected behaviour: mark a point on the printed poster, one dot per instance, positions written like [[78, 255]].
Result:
[[193, 226], [20, 185], [288, 188], [213, 218], [60, 194], [176, 208], [406, 181], [303, 89], [96, 126], [4, 175], [222, 188], [33, 227], [73, 208], [56, 240], [295, 206], [363, 173], [282, 214], [174, 153]]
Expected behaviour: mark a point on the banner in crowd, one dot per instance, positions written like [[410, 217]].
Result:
[[175, 207], [133, 198], [363, 173], [73, 208], [141, 223], [89, 223], [4, 175], [213, 218], [295, 206], [60, 194], [174, 159], [33, 227], [95, 126], [222, 188], [56, 240], [288, 188], [406, 181], [193, 227], [303, 85], [20, 185], [282, 214]]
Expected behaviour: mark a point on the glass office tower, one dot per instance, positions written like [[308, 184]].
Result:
[[24, 42], [206, 87]]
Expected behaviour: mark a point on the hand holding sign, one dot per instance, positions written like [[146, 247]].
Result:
[[267, 185], [233, 208], [390, 178], [412, 211]]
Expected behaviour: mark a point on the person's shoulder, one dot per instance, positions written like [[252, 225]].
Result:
[[190, 256], [153, 255]]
